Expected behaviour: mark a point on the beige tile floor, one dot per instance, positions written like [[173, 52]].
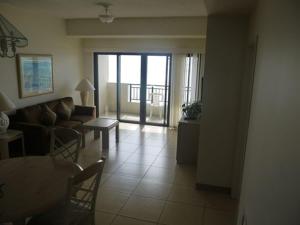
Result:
[[143, 185]]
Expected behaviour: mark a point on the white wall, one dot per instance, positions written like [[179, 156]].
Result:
[[224, 67], [270, 191], [103, 69], [46, 35]]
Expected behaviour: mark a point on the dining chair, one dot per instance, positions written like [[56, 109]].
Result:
[[156, 103], [79, 205], [65, 144]]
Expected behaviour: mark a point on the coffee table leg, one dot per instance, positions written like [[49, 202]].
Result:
[[117, 133], [83, 137], [105, 139], [96, 134], [23, 146]]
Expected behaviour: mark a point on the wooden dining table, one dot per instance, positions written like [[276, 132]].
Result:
[[32, 185]]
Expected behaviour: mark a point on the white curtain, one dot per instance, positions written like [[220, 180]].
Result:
[[177, 88]]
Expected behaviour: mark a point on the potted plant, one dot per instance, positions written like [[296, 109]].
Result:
[[192, 111]]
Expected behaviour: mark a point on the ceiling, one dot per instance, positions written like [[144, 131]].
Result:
[[229, 6], [121, 8]]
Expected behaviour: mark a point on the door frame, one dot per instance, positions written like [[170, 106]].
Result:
[[143, 86]]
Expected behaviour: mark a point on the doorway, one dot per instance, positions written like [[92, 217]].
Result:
[[133, 87]]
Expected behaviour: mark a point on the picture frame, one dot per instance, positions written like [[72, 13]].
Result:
[[35, 74]]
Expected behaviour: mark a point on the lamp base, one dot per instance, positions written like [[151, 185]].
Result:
[[4, 123], [84, 97]]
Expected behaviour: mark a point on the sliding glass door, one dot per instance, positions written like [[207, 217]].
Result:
[[129, 87], [138, 84], [157, 89]]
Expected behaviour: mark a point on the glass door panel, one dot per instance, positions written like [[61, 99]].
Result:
[[157, 96], [129, 87]]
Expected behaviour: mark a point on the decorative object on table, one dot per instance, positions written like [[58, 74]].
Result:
[[5, 105], [10, 38], [85, 87], [107, 17], [192, 111], [35, 74]]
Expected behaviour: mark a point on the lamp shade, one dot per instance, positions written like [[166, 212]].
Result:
[[85, 85], [5, 103]]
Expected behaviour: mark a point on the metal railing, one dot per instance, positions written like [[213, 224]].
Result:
[[134, 92]]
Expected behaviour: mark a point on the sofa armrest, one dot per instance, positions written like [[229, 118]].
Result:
[[85, 110], [36, 137]]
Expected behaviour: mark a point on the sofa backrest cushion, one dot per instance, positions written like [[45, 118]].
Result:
[[48, 117], [31, 114], [67, 100], [63, 111]]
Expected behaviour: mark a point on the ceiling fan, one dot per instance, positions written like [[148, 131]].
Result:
[[107, 17]]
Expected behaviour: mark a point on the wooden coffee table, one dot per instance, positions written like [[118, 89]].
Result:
[[104, 125]]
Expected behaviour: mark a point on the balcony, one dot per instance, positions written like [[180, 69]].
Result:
[[130, 102]]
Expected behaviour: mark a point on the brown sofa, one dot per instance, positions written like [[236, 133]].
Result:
[[37, 135]]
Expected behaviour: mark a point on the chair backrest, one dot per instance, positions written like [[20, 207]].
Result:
[[65, 144], [156, 97], [83, 189]]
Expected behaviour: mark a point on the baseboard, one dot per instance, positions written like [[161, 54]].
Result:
[[207, 187]]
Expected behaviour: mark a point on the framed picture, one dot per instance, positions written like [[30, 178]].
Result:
[[35, 74]]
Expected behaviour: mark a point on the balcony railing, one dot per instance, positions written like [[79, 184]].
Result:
[[134, 92]]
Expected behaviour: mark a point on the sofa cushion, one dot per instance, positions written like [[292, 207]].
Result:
[[81, 118], [68, 123], [69, 102], [48, 117], [63, 111], [31, 114]]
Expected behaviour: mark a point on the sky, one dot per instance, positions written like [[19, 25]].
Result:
[[131, 69]]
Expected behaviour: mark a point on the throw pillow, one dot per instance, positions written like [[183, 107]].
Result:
[[63, 111], [48, 117]]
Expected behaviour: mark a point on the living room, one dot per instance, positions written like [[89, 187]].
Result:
[[250, 109]]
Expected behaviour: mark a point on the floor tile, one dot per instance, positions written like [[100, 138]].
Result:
[[142, 180], [161, 175], [122, 220], [213, 217], [111, 201], [179, 214], [126, 147], [220, 201], [165, 162], [103, 218], [150, 150], [132, 170], [187, 195], [121, 183], [143, 208], [141, 158], [153, 190]]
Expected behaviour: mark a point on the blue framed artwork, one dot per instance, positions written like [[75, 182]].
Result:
[[35, 74]]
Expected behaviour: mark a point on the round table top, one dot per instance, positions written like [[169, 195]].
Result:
[[32, 185]]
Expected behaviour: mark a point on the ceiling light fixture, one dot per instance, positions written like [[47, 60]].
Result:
[[10, 38], [107, 17]]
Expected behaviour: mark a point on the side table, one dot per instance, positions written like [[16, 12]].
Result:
[[5, 139]]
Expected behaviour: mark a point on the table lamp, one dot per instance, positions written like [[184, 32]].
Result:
[[5, 105], [85, 87]]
